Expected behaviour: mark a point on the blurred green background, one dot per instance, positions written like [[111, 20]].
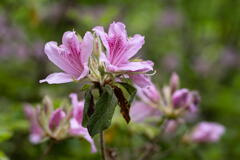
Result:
[[197, 39]]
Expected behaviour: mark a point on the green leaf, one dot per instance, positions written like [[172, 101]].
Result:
[[86, 87], [88, 107], [104, 109], [125, 94], [131, 91]]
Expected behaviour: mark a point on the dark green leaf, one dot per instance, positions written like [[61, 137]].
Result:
[[88, 107], [104, 109]]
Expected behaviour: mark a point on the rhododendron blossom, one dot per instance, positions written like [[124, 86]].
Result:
[[171, 101], [57, 124], [71, 57], [120, 50]]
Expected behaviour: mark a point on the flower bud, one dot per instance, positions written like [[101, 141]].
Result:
[[183, 98], [174, 82], [180, 98]]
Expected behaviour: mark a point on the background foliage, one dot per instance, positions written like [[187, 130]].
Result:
[[197, 39]]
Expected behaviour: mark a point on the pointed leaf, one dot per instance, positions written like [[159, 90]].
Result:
[[131, 91], [104, 109], [88, 107]]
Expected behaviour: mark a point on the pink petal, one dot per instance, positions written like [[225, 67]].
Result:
[[117, 28], [141, 111], [56, 118], [135, 43], [55, 54], [36, 131], [143, 66], [71, 42], [149, 94], [78, 107], [207, 132], [57, 78], [140, 80], [86, 47], [78, 130]]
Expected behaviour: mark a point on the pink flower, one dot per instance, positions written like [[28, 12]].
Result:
[[120, 49], [71, 57], [207, 132], [146, 109], [76, 128], [35, 129]]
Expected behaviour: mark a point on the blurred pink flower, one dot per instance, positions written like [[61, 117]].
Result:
[[120, 49], [145, 109], [183, 98], [76, 127], [141, 111], [35, 129], [149, 93], [71, 56], [207, 132], [48, 122]]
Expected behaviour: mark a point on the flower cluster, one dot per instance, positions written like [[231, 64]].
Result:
[[58, 124], [106, 61], [86, 58], [174, 105], [171, 101]]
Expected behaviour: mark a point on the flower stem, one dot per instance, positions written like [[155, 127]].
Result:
[[102, 146]]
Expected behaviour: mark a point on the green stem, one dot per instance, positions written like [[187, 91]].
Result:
[[102, 146]]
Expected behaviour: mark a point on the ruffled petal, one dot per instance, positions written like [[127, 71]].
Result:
[[57, 78]]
